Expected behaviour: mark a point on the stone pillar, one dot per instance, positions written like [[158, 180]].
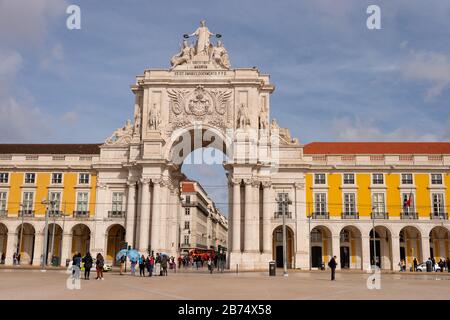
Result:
[[267, 214], [164, 213], [302, 254], [66, 248], [248, 216], [38, 247], [336, 248], [255, 244], [11, 247], [131, 214], [144, 223], [396, 251], [236, 222], [425, 249], [156, 216], [365, 252]]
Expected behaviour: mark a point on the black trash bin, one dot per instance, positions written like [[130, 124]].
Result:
[[272, 268], [322, 266]]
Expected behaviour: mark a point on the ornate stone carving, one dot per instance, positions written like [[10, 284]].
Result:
[[266, 184], [255, 183], [221, 100], [184, 56], [219, 56], [234, 181], [282, 133], [121, 136], [144, 180], [248, 181], [200, 102], [177, 98]]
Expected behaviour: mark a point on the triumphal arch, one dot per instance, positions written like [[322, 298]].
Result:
[[202, 101]]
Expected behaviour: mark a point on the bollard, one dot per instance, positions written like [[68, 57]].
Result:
[[237, 268]]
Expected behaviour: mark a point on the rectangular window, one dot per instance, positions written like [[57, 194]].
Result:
[[436, 178], [117, 201], [349, 204], [378, 204], [319, 178], [4, 177], [186, 225], [56, 178], [377, 178], [188, 199], [27, 202], [320, 203], [187, 211], [408, 203], [186, 239], [407, 178], [82, 202], [283, 205], [3, 198], [56, 197], [438, 204], [83, 178], [30, 177], [349, 178]]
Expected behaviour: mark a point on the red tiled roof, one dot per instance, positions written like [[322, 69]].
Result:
[[187, 186], [377, 148], [50, 148]]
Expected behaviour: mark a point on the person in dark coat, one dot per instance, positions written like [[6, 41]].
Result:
[[415, 264], [332, 264], [87, 265]]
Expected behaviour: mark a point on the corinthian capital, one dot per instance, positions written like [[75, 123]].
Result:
[[145, 180], [234, 181], [256, 183], [266, 184]]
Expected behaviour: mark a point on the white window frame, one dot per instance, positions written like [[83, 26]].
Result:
[[315, 203], [79, 178], [188, 224], [412, 208], [77, 208], [376, 208], [436, 184], [186, 239], [115, 204], [407, 184], [56, 207], [320, 184], [4, 208], [348, 184], [25, 178], [7, 177], [378, 184], [32, 201], [344, 204], [187, 211], [57, 183], [442, 204]]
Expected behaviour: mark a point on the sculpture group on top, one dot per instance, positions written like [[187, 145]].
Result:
[[202, 50]]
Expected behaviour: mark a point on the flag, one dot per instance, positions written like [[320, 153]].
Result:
[[408, 202]]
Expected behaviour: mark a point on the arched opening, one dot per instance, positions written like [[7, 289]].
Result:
[[410, 245], [277, 246], [199, 155], [3, 243], [439, 243], [381, 248], [54, 243], [115, 242], [81, 239], [321, 246], [350, 248], [26, 246]]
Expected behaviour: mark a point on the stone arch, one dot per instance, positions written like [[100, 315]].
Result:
[[320, 245], [81, 239], [410, 238], [439, 243], [277, 246], [350, 238], [115, 239], [54, 243], [3, 242], [381, 247], [26, 246]]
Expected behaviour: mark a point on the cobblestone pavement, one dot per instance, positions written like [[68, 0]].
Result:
[[34, 284]]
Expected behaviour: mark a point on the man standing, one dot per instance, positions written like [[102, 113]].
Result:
[[332, 264]]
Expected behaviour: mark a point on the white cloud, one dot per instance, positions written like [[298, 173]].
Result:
[[430, 67]]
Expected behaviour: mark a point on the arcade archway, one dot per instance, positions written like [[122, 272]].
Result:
[[3, 241], [115, 241], [26, 247], [321, 246], [277, 246], [54, 243], [350, 248], [81, 239], [439, 243], [381, 247], [410, 245]]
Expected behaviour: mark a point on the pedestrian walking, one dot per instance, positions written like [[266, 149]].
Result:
[[133, 267], [332, 264], [142, 266], [99, 262], [3, 258], [76, 263], [210, 265], [123, 259], [87, 260], [151, 265], [415, 264], [14, 258], [164, 265]]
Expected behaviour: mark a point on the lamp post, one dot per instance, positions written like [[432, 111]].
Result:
[[373, 236], [44, 250], [309, 239], [284, 201]]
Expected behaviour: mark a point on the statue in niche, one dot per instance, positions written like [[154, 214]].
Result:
[[154, 118], [219, 55], [137, 119], [203, 34], [184, 56], [274, 125], [263, 118], [243, 118]]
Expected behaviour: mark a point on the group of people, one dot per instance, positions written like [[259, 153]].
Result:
[[88, 262], [198, 261], [154, 265], [444, 264]]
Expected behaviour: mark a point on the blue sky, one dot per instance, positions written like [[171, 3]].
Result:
[[335, 79]]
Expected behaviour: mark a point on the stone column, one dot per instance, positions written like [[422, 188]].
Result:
[[236, 222], [255, 244], [365, 252], [11, 247], [164, 213], [131, 214], [267, 214], [396, 251], [66, 248], [38, 247], [425, 248], [144, 223], [336, 248], [248, 217], [156, 217]]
